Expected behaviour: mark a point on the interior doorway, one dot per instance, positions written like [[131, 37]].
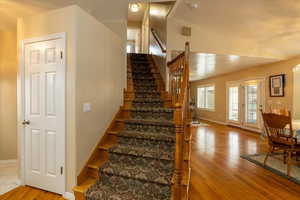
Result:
[[244, 101], [43, 113]]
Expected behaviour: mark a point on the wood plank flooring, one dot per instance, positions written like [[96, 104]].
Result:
[[29, 193], [218, 172]]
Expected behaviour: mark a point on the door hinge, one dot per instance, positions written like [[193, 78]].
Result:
[[61, 170], [61, 55]]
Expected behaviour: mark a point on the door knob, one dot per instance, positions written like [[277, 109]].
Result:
[[26, 122]]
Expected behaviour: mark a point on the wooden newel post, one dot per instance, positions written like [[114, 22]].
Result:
[[179, 129]]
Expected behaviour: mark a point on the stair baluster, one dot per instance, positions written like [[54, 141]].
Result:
[[179, 93]]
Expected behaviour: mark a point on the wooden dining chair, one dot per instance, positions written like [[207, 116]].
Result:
[[280, 135], [280, 111]]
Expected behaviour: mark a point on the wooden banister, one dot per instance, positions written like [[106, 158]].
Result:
[[159, 42], [179, 93]]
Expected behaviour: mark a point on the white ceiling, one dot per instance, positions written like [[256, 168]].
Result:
[[260, 31], [137, 16], [270, 25], [203, 65], [10, 10]]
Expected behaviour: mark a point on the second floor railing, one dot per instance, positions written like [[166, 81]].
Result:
[[158, 41]]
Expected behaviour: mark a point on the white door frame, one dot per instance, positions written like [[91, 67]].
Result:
[[21, 101], [241, 114]]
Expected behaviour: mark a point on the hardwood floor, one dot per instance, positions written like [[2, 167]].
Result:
[[219, 173], [29, 193]]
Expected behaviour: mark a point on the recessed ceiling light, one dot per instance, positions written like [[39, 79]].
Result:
[[134, 7], [193, 4]]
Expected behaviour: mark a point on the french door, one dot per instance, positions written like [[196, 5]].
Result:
[[244, 101]]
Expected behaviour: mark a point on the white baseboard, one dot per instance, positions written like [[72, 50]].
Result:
[[69, 195], [210, 120], [246, 128], [8, 161], [234, 125]]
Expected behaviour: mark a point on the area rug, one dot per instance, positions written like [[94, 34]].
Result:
[[275, 164], [8, 177]]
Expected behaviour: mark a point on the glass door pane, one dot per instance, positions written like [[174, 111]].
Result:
[[210, 97], [233, 104], [251, 103]]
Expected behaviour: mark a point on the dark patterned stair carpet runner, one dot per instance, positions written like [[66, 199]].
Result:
[[141, 164]]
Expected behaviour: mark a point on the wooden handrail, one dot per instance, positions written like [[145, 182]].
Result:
[[179, 93], [175, 59], [161, 46]]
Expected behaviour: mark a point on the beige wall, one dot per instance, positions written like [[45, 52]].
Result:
[[297, 92], [8, 93], [135, 26], [283, 67], [159, 24], [95, 74], [100, 79], [145, 32]]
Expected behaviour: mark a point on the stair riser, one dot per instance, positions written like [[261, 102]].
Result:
[[146, 143], [145, 88], [93, 173], [141, 70], [147, 75], [147, 95], [152, 115], [143, 190], [131, 104], [115, 166], [150, 104], [79, 196], [149, 128], [119, 125], [145, 84]]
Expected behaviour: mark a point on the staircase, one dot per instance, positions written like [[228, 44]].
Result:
[[135, 160]]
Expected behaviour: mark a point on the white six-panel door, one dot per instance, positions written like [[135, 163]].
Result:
[[45, 115]]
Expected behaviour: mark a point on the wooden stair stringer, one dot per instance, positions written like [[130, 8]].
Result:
[[90, 172]]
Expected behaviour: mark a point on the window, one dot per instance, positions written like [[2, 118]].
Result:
[[251, 106], [234, 103], [206, 97]]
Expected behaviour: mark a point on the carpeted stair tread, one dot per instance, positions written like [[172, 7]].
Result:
[[139, 168], [140, 165], [140, 100], [138, 62], [118, 188], [161, 136], [155, 152], [143, 78], [150, 122], [152, 113], [145, 109], [151, 92]]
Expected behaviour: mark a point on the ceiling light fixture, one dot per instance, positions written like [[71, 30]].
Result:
[[192, 4], [134, 7]]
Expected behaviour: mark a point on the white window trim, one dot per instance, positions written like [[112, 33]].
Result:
[[205, 86]]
